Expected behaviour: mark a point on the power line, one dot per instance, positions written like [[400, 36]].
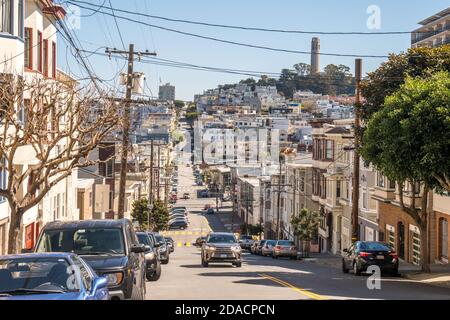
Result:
[[236, 42], [117, 25], [256, 28]]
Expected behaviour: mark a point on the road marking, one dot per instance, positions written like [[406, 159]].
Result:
[[286, 284], [179, 244], [188, 244], [189, 233]]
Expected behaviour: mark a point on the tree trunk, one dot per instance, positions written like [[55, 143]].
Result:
[[424, 263], [14, 230]]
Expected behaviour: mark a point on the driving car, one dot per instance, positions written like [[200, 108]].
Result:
[[284, 248], [178, 224], [153, 264], [170, 244], [50, 276], [221, 247], [110, 247], [267, 248], [245, 241], [363, 254], [163, 249]]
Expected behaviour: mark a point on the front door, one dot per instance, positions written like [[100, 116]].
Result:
[[401, 240]]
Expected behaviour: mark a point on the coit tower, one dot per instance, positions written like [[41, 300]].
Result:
[[315, 55]]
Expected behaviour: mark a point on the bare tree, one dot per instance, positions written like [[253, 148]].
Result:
[[55, 125]]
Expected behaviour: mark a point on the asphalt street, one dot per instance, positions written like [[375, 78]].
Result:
[[261, 278]]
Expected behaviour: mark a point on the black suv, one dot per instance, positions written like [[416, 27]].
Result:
[[110, 247], [152, 261]]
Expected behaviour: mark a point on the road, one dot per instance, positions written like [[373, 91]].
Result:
[[261, 278]]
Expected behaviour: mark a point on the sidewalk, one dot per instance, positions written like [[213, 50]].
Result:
[[439, 276]]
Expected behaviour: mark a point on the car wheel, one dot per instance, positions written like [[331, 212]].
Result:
[[204, 264], [238, 264], [356, 270], [156, 275], [344, 268]]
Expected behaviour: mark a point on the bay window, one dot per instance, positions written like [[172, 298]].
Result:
[[5, 16]]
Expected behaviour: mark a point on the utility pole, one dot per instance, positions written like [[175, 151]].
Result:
[[126, 122], [157, 181], [278, 203], [150, 189], [357, 130]]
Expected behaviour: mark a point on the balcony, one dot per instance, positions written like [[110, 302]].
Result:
[[425, 35]]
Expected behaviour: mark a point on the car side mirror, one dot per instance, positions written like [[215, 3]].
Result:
[[99, 283], [138, 248]]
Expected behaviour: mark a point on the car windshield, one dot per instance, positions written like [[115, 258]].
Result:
[[374, 246], [222, 238], [160, 238], [285, 243], [263, 242], [25, 276], [83, 241], [144, 239], [271, 242]]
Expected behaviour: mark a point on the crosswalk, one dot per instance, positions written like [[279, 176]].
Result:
[[184, 233]]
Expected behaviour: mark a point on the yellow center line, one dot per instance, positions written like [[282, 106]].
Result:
[[286, 284]]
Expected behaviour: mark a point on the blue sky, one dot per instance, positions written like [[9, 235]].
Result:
[[318, 15]]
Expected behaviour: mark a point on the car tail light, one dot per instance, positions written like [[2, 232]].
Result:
[[365, 254], [278, 247], [293, 248], [393, 255]]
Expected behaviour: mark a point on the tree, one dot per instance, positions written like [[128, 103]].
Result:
[[417, 62], [159, 216], [57, 126], [303, 69], [408, 140], [305, 225], [139, 212], [179, 104]]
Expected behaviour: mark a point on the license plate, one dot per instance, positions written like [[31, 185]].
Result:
[[223, 256], [380, 257]]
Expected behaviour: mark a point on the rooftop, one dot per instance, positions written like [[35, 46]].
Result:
[[435, 17]]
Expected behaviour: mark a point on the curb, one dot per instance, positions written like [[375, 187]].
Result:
[[410, 276]]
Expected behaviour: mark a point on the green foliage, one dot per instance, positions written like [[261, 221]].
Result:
[[139, 212], [251, 229], [305, 224], [179, 104], [159, 215], [418, 62], [409, 137]]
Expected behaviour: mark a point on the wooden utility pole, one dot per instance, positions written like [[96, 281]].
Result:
[[150, 189], [126, 122], [158, 175], [357, 131]]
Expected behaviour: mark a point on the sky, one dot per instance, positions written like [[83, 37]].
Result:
[[97, 31]]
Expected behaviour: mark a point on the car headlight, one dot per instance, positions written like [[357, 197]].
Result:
[[151, 255], [114, 279], [210, 248]]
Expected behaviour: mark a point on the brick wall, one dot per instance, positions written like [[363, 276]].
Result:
[[438, 243]]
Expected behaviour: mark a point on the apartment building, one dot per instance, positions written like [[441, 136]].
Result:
[[248, 191], [167, 92], [433, 32]]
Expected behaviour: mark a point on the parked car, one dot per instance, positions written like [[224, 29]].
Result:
[[221, 247], [179, 208], [199, 241], [210, 211], [178, 224], [153, 270], [258, 249], [110, 247], [170, 244], [177, 215], [267, 248], [163, 249], [363, 254], [246, 241], [50, 276], [186, 195], [284, 248]]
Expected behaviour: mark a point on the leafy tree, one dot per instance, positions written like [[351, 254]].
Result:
[[305, 225], [418, 62], [179, 104], [139, 212], [408, 140], [303, 69], [159, 216]]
